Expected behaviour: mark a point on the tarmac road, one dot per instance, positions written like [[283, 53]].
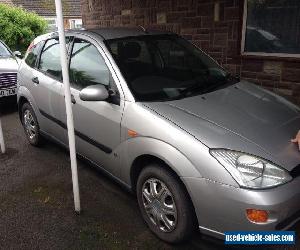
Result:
[[36, 203]]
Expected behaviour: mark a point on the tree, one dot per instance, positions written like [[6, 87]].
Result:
[[19, 27]]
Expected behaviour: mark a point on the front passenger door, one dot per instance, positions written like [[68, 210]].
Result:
[[97, 123]]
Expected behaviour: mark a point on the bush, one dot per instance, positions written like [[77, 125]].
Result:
[[19, 27]]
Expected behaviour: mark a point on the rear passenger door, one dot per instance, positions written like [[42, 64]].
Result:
[[97, 123], [48, 91]]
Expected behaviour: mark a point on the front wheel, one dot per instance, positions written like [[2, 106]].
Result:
[[165, 204]]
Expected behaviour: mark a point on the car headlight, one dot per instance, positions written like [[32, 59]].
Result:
[[250, 171]]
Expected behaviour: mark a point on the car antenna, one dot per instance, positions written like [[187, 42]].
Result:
[[146, 31]]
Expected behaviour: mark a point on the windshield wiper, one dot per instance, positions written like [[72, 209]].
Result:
[[230, 76], [205, 85], [202, 88], [188, 91], [197, 86]]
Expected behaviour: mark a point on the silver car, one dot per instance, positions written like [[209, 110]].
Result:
[[200, 148], [8, 71]]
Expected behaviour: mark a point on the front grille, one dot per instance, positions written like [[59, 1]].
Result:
[[8, 80], [295, 172]]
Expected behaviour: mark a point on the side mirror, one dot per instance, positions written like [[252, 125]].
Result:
[[17, 54], [94, 93]]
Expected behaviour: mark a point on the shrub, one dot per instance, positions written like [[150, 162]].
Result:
[[19, 27]]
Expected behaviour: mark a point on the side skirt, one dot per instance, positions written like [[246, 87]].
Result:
[[89, 161]]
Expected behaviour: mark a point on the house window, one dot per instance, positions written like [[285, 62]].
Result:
[[75, 23], [271, 28], [51, 24]]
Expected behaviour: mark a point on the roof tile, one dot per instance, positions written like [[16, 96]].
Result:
[[71, 8]]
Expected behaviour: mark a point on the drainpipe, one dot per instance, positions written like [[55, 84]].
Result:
[[69, 111]]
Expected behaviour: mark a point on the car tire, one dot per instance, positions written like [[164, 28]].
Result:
[[31, 126], [165, 204]]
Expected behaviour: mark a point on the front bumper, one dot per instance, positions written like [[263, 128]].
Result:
[[222, 208]]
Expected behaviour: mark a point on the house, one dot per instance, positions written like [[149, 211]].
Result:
[[46, 9], [257, 40]]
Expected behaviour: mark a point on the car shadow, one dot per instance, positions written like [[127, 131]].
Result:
[[8, 106]]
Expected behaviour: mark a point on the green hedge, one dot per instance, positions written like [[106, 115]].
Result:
[[19, 27]]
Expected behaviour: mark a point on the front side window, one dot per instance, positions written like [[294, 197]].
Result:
[[165, 67], [87, 67], [271, 28], [4, 52]]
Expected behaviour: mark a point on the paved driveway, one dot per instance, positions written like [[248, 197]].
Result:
[[36, 204]]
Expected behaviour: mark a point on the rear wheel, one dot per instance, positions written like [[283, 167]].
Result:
[[165, 204], [31, 126]]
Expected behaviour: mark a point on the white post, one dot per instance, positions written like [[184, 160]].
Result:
[[70, 121], [2, 144]]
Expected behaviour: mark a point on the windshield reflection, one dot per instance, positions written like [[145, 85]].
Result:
[[4, 52], [166, 67]]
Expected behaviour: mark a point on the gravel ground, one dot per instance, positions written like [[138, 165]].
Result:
[[36, 203]]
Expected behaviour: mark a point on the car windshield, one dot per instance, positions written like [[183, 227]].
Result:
[[4, 52], [166, 67]]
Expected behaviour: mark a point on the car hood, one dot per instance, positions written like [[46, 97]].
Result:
[[245, 111], [8, 64]]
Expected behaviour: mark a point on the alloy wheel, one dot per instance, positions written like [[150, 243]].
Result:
[[30, 124], [159, 205]]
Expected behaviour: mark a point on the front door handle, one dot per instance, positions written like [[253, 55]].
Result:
[[35, 80], [73, 100]]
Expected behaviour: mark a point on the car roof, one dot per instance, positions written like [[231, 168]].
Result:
[[107, 33], [120, 32]]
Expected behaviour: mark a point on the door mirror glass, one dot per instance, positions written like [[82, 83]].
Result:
[[94, 93]]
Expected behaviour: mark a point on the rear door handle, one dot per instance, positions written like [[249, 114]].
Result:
[[35, 80], [73, 100]]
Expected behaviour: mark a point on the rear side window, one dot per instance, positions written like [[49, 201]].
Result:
[[50, 58], [32, 54], [87, 67]]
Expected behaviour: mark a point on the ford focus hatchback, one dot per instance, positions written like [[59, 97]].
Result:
[[200, 148]]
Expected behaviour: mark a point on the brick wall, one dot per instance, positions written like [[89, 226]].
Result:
[[195, 20]]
